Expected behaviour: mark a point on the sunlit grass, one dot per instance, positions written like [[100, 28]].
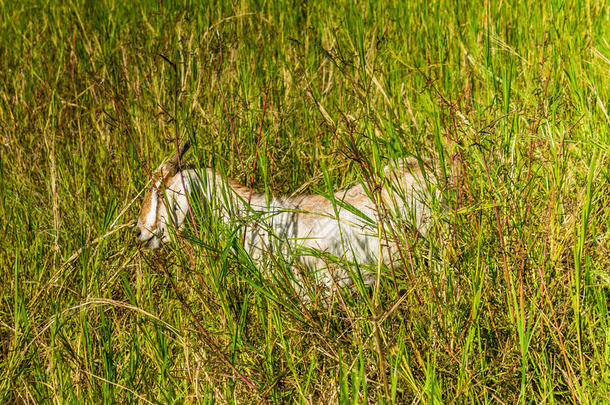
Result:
[[506, 300]]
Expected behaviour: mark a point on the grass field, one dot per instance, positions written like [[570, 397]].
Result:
[[507, 301]]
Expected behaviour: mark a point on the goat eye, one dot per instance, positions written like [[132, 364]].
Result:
[[175, 207]]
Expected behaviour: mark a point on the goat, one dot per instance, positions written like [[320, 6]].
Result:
[[345, 226]]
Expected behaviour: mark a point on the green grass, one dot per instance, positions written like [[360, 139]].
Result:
[[507, 300]]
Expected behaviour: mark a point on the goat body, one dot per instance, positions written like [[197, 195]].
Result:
[[309, 228]]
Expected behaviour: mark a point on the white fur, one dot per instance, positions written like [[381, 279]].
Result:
[[299, 228]]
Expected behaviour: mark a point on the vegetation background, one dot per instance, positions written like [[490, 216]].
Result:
[[506, 302]]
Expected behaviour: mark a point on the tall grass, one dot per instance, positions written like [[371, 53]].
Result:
[[505, 301]]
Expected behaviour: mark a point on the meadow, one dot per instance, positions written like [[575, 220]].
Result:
[[506, 300]]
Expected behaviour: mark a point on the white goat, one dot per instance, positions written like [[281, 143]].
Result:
[[308, 228]]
